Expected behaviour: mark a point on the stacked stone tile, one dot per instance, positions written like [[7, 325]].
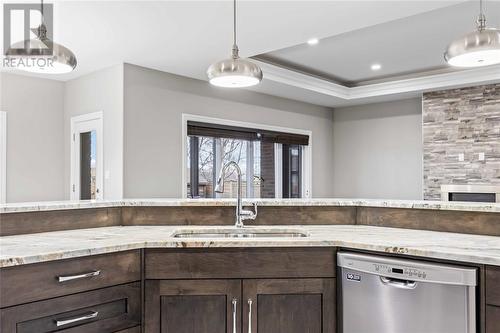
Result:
[[461, 121]]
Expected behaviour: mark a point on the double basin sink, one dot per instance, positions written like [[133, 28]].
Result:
[[245, 232]]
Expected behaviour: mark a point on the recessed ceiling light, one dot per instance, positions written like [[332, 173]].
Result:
[[376, 67], [313, 41]]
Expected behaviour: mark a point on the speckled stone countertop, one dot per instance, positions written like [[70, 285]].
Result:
[[412, 204], [33, 248]]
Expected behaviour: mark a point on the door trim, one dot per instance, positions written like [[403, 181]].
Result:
[[74, 187], [3, 157]]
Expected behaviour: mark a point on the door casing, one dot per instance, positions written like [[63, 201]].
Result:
[[80, 124]]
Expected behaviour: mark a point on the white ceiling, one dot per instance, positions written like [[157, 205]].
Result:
[[405, 46], [185, 37]]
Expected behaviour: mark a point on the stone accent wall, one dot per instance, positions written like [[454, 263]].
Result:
[[267, 189], [461, 121]]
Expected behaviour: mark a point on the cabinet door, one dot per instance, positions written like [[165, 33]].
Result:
[[193, 306], [289, 306]]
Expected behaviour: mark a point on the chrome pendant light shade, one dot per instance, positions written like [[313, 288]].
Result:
[[35, 58], [479, 48], [61, 61], [476, 49], [234, 72]]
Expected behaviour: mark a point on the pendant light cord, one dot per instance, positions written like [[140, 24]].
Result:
[[481, 20], [41, 11], [41, 31], [234, 22], [235, 51]]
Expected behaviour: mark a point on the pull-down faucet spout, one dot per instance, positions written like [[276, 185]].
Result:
[[241, 214]]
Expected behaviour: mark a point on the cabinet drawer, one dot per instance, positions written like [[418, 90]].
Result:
[[493, 285], [240, 263], [33, 282], [492, 319], [99, 311]]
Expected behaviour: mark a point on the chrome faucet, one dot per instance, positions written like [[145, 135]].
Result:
[[241, 214]]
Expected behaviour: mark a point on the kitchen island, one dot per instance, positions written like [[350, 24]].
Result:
[[136, 266]]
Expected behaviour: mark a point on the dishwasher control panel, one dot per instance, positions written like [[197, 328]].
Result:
[[404, 272]]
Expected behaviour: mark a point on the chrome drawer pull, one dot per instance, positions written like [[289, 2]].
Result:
[[90, 315], [235, 303], [250, 315], [79, 276]]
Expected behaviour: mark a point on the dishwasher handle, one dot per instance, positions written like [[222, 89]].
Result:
[[397, 283]]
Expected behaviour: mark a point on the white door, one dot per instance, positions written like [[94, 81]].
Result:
[[87, 157]]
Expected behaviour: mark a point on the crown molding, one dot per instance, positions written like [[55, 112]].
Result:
[[483, 75]]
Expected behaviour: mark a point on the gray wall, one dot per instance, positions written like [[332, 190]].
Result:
[[377, 150], [35, 146], [154, 103], [99, 91]]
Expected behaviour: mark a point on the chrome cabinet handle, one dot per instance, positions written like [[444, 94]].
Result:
[[235, 304], [398, 284], [63, 278], [250, 315], [90, 315]]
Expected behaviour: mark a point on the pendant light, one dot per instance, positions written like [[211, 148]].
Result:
[[35, 60], [478, 48], [234, 72]]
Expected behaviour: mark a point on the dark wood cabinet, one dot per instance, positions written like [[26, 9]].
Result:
[[193, 306], [289, 306], [65, 277], [492, 319], [100, 311], [100, 294], [253, 263], [246, 306], [258, 290], [282, 290], [492, 291], [492, 285]]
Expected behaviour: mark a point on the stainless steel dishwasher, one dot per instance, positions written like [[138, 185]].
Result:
[[386, 295]]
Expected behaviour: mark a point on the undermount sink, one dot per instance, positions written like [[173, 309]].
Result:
[[240, 233]]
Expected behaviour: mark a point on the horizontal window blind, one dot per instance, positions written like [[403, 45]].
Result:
[[242, 133]]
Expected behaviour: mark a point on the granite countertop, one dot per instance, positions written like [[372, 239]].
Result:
[[33, 248], [340, 202]]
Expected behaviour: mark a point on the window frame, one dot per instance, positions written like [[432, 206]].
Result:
[[306, 150]]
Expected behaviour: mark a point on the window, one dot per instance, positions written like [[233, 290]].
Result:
[[292, 171], [271, 162]]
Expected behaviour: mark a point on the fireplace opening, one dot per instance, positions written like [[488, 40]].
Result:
[[472, 197], [470, 193]]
